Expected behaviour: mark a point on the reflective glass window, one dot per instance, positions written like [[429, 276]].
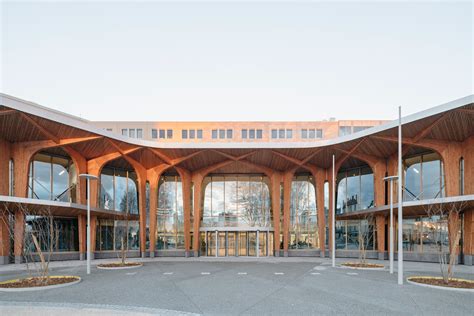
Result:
[[162, 133], [281, 133], [229, 134], [259, 134], [154, 133], [199, 133], [222, 133], [274, 133], [184, 134], [192, 133], [139, 133], [131, 133], [214, 134], [252, 134], [169, 133], [244, 134], [304, 133]]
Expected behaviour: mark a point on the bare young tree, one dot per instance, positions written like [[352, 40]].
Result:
[[38, 240], [365, 237], [446, 213]]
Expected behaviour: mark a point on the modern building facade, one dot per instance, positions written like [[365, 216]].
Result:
[[262, 189]]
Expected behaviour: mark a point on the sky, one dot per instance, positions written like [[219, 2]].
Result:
[[236, 61]]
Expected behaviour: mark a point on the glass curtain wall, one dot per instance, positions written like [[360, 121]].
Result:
[[56, 234], [347, 234], [355, 190], [119, 192], [303, 214], [170, 214], [425, 234], [236, 201], [424, 177], [109, 235], [52, 177]]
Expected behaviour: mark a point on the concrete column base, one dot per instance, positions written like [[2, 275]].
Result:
[[143, 254], [186, 254], [152, 254], [468, 260], [82, 256], [381, 255], [92, 256], [196, 253], [321, 254], [285, 253], [17, 259], [4, 260], [277, 253]]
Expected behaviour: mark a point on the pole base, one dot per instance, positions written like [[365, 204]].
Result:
[[17, 259]]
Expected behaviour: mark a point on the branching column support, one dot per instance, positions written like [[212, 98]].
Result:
[[276, 180], [287, 179]]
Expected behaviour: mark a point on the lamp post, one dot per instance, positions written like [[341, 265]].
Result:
[[400, 200], [333, 230], [391, 179], [88, 177]]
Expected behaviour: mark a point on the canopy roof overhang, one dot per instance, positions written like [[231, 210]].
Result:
[[55, 208], [26, 122], [416, 208]]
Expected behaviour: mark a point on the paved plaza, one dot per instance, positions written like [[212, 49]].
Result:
[[234, 286]]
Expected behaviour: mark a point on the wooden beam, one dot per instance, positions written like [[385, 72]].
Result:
[[466, 111], [7, 112], [179, 160], [42, 130], [235, 158], [161, 155]]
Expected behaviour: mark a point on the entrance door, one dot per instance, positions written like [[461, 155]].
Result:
[[221, 244], [231, 243]]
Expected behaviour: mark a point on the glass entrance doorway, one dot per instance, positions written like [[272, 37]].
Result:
[[236, 243]]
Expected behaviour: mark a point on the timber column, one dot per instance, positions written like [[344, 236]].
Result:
[[197, 207], [379, 169], [276, 208], [287, 178], [4, 190]]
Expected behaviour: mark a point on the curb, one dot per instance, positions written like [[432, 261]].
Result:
[[41, 288], [120, 268], [446, 288]]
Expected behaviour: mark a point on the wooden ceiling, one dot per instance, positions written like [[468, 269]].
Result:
[[455, 125]]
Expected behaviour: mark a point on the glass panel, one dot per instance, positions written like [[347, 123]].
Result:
[[252, 239], [412, 235], [341, 194], [431, 177], [341, 235], [120, 190], [170, 217], [42, 177], [221, 244], [412, 179], [271, 245], [203, 244], [366, 188], [352, 235], [60, 179], [231, 215], [353, 190], [231, 243], [107, 189], [211, 248], [242, 243], [435, 235], [262, 244]]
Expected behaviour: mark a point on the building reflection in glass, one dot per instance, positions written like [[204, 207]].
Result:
[[170, 215], [303, 214], [424, 177], [355, 190], [236, 201], [52, 177]]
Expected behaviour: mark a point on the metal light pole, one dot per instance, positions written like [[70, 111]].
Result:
[[400, 200], [333, 230], [88, 178], [391, 179]]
